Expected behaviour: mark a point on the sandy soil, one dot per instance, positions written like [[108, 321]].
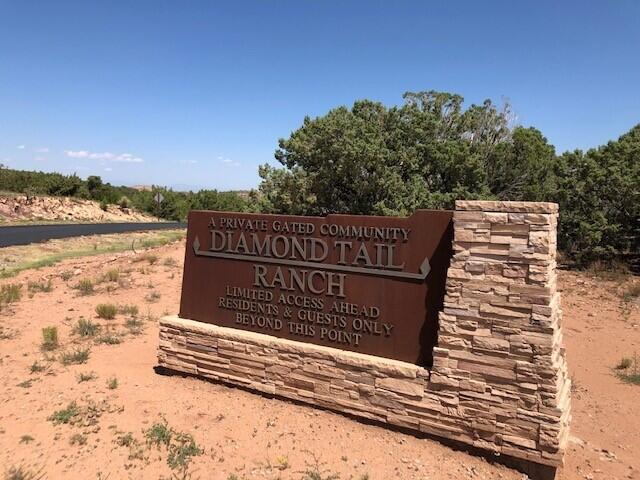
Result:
[[248, 436]]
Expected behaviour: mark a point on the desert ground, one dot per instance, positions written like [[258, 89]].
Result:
[[91, 405]]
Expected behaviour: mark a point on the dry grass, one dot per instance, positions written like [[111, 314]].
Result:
[[631, 293], [112, 275], [22, 472], [76, 356], [41, 286], [49, 339], [628, 370], [85, 287], [106, 311], [24, 257], [10, 293], [86, 328], [130, 310]]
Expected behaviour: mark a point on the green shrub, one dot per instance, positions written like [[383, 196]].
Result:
[[181, 450], [124, 202], [49, 338], [66, 414], [106, 311], [112, 383], [159, 434], [180, 446]]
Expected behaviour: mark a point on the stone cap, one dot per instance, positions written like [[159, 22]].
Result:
[[506, 207], [362, 360]]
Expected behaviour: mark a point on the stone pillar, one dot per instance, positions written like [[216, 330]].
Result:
[[500, 358]]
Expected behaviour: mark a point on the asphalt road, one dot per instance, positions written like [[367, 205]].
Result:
[[25, 234]]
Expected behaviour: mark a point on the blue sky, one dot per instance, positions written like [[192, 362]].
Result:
[[197, 93]]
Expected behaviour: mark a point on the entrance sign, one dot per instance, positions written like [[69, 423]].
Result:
[[362, 283], [399, 320]]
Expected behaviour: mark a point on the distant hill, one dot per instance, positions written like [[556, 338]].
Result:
[[22, 208], [112, 200]]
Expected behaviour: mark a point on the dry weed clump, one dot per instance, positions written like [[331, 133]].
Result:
[[112, 383], [10, 293], [86, 328], [106, 311], [22, 472], [78, 415], [85, 287], [49, 339], [152, 297], [628, 370], [41, 286], [112, 275], [131, 310], [631, 293], [76, 356], [86, 377], [109, 338]]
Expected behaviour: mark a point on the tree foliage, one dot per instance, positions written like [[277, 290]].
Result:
[[599, 196], [430, 151], [175, 205]]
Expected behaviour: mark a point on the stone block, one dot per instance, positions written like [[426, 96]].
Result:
[[404, 387]]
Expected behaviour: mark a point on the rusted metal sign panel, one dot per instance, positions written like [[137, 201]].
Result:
[[368, 284]]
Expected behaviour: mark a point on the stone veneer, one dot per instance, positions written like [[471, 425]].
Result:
[[499, 379]]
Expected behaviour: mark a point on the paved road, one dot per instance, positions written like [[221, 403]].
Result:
[[25, 234]]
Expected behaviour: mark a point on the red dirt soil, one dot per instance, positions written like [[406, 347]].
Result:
[[248, 435]]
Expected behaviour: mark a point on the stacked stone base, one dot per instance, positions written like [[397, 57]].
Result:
[[375, 388]]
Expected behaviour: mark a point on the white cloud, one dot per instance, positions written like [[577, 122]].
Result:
[[188, 162], [40, 158], [108, 169], [76, 154], [42, 150], [107, 156], [229, 161], [127, 157], [20, 147]]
